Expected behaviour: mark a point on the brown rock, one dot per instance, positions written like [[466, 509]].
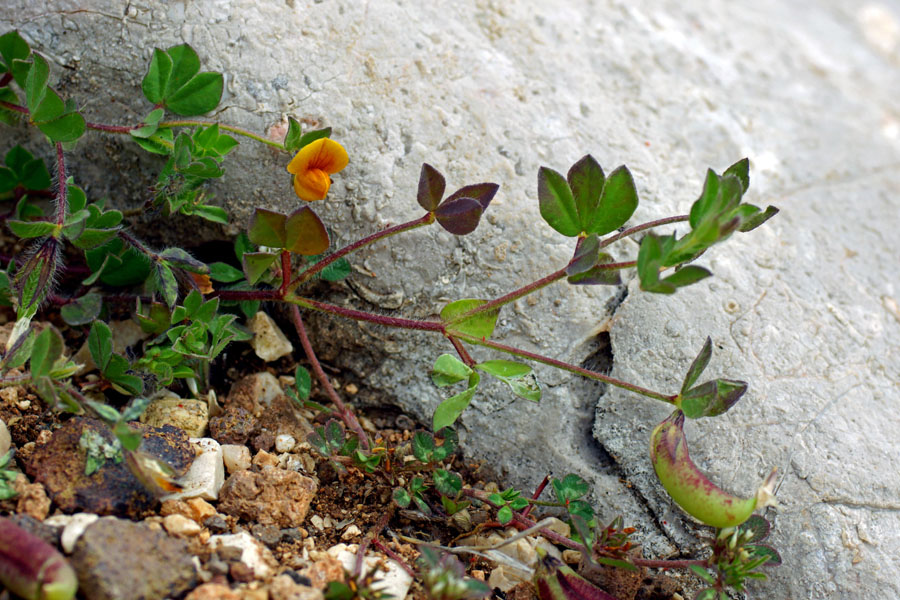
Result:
[[272, 497], [284, 587], [31, 499], [234, 426], [213, 591], [241, 572], [264, 460], [111, 490], [324, 570], [523, 591]]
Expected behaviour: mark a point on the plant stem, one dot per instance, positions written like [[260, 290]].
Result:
[[638, 228], [237, 130], [62, 203], [358, 315], [14, 107], [372, 534], [378, 235], [461, 350], [512, 296], [111, 128], [566, 367], [285, 272], [347, 415], [668, 564], [391, 554], [246, 294], [537, 494]]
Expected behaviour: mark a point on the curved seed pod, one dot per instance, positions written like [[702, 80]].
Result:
[[31, 568], [690, 488]]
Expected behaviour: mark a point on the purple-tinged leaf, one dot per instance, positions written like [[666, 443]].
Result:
[[712, 398], [483, 192], [586, 255], [697, 367], [586, 181], [557, 203], [431, 188], [617, 203], [305, 233], [267, 228], [760, 550], [459, 216], [255, 264], [597, 275], [759, 527], [758, 219]]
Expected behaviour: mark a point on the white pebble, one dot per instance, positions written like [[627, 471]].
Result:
[[284, 443]]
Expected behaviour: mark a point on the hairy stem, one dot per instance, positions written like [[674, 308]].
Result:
[[566, 367], [62, 201], [537, 494], [461, 350], [229, 128], [346, 414], [306, 274]]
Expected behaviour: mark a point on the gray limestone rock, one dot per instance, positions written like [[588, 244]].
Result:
[[805, 308]]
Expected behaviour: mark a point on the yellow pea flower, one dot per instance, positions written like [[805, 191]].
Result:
[[312, 166]]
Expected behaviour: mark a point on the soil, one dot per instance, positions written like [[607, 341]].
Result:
[[349, 507]]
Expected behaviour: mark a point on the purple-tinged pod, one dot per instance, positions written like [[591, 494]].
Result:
[[690, 488], [31, 568], [554, 580]]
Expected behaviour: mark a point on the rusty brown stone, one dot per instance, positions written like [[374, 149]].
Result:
[[272, 497]]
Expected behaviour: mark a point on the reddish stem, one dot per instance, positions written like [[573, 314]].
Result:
[[347, 415], [358, 315], [62, 203], [537, 494], [391, 554], [378, 235], [642, 227], [13, 107], [285, 271], [246, 294], [112, 128], [5, 79], [373, 533], [461, 350]]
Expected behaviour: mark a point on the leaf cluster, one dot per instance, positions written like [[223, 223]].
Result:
[[737, 556]]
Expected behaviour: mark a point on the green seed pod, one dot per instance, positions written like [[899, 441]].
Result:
[[690, 488], [31, 568]]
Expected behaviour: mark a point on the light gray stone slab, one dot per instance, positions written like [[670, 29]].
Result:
[[805, 309]]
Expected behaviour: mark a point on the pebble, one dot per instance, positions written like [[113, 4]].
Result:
[[250, 552], [351, 532], [506, 578], [31, 499], [236, 457], [265, 460], [323, 570], [73, 526], [207, 474], [213, 591], [392, 578], [181, 526], [271, 497], [188, 414], [5, 439], [284, 443], [216, 524], [269, 342], [117, 559], [267, 534], [254, 393], [284, 587]]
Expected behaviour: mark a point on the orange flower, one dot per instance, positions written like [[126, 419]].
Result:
[[312, 166], [201, 282]]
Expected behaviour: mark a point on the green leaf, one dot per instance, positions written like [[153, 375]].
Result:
[[198, 96], [219, 271], [758, 219], [157, 77], [687, 275], [757, 525], [303, 382], [741, 170], [185, 64], [773, 558], [703, 574], [712, 398], [557, 204], [571, 487], [504, 515], [305, 233], [448, 370], [83, 310], [135, 408], [256, 264], [48, 347], [504, 368], [267, 228], [447, 483], [336, 271], [450, 409], [431, 188], [707, 199], [36, 84], [181, 259], [480, 325], [100, 344], [31, 229], [216, 214], [586, 255], [586, 179], [617, 203], [292, 138], [401, 497], [310, 136], [423, 446], [151, 124], [167, 284], [459, 216], [698, 366], [160, 142], [12, 47], [597, 275], [706, 594], [66, 128]]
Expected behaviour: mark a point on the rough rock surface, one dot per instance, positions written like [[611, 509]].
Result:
[[805, 308], [271, 497], [120, 560]]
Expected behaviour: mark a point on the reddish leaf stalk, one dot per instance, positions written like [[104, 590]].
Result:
[[461, 350], [285, 271], [370, 239], [567, 367], [373, 534], [14, 107], [393, 555], [514, 295], [246, 294], [347, 415], [638, 228]]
